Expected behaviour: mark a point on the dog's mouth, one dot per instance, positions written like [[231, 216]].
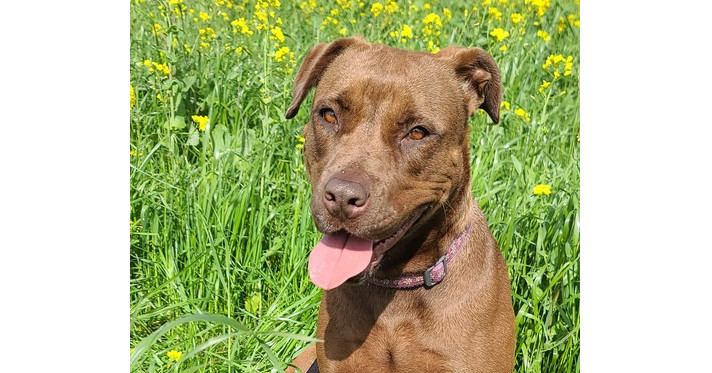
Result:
[[340, 256]]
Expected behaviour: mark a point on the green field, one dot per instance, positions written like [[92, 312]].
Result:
[[220, 223]]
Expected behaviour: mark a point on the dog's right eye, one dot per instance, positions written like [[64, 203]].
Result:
[[329, 116], [418, 133]]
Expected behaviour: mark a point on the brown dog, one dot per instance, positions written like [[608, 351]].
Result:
[[414, 280]]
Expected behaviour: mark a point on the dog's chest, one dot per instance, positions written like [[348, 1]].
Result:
[[402, 337]]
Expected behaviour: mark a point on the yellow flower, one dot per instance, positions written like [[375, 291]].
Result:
[[376, 9], [572, 20], [241, 24], [391, 7], [495, 12], [206, 33], [517, 17], [553, 60], [157, 29], [201, 121], [280, 55], [561, 26], [433, 48], [174, 355], [521, 113], [203, 16], [342, 32], [506, 105], [544, 35], [541, 5], [503, 48], [277, 34], [447, 13], [569, 65], [434, 19], [499, 34], [542, 189], [406, 32], [543, 86], [133, 97]]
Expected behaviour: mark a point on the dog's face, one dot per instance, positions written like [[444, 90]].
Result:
[[386, 143]]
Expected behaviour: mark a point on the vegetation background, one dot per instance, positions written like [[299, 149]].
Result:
[[220, 224]]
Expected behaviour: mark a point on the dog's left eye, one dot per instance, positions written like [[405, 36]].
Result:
[[418, 133], [329, 116]]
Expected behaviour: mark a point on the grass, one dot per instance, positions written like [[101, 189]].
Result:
[[220, 221]]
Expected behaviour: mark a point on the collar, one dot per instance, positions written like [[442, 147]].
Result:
[[433, 275]]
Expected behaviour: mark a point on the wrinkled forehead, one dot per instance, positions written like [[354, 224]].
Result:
[[381, 74]]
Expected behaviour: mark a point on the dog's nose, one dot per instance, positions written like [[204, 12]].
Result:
[[345, 199]]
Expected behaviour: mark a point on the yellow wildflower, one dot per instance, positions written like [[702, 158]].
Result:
[[432, 47], [499, 34], [561, 26], [544, 35], [279, 56], [204, 16], [277, 34], [426, 6], [503, 48], [542, 189], [342, 32], [206, 33], [569, 65], [553, 60], [541, 5], [391, 7], [201, 121], [432, 18], [157, 29], [187, 48], [376, 9], [447, 13], [544, 85], [517, 17], [506, 105], [133, 98], [495, 12], [572, 20], [521, 113], [174, 355], [241, 24], [406, 32]]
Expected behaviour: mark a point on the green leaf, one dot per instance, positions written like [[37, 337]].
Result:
[[252, 304], [193, 137], [176, 123]]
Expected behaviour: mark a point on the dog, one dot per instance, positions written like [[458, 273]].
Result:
[[413, 279]]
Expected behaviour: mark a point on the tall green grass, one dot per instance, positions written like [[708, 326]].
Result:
[[220, 221]]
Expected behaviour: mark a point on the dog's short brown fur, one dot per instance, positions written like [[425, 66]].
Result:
[[376, 96]]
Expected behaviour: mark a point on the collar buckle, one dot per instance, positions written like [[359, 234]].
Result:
[[428, 276]]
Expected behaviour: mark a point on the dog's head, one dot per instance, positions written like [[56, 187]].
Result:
[[386, 143]]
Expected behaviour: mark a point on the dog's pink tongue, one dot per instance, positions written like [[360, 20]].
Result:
[[338, 257]]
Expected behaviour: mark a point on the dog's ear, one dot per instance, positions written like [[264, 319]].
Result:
[[314, 65], [480, 76]]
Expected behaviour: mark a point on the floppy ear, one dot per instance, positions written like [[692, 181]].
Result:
[[314, 65], [480, 77]]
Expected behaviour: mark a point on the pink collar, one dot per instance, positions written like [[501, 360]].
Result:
[[433, 275]]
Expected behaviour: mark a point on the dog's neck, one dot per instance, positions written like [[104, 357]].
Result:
[[418, 251]]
